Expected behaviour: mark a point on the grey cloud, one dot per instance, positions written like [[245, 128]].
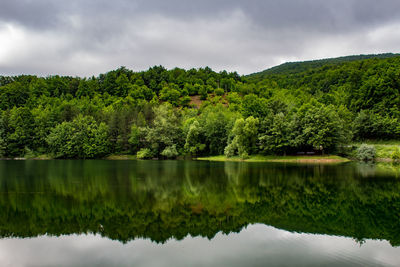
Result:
[[87, 37], [325, 15]]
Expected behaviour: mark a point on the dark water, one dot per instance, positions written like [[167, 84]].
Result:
[[188, 213]]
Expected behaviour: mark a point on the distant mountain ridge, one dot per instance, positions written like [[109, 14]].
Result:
[[300, 66]]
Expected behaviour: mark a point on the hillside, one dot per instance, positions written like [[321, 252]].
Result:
[[301, 66], [162, 113]]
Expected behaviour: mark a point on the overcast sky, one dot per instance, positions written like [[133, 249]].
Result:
[[88, 37]]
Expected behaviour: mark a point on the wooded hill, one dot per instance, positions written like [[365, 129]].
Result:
[[318, 105]]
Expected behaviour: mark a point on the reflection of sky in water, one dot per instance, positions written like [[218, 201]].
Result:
[[257, 245]]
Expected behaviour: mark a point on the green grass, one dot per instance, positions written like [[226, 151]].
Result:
[[120, 157], [384, 148], [260, 158], [380, 142]]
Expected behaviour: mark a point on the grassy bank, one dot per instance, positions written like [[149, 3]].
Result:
[[120, 157], [294, 159], [384, 149]]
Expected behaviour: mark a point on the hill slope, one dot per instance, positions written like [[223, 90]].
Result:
[[300, 66]]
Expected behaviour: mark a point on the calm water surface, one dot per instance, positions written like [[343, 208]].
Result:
[[188, 213]]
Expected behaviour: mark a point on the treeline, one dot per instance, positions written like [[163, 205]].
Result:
[[167, 113], [300, 66]]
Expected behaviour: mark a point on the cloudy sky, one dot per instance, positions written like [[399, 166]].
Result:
[[88, 37]]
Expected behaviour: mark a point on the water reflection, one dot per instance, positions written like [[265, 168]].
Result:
[[257, 245], [126, 200]]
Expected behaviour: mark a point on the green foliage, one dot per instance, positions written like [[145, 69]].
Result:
[[195, 139], [219, 91], [81, 138], [298, 67], [13, 95], [366, 152], [279, 136], [171, 95], [136, 137], [395, 154], [203, 93], [317, 105], [244, 138], [184, 101], [319, 126], [144, 153], [255, 106], [21, 131], [368, 125], [165, 130], [170, 152], [217, 123]]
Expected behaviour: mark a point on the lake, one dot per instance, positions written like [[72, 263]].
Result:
[[194, 213]]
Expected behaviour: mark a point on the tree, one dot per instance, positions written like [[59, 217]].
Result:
[[217, 123], [3, 136], [81, 138], [254, 106], [319, 126], [137, 136], [13, 95], [244, 137], [171, 95], [195, 139], [203, 92], [165, 131], [279, 136], [21, 134], [170, 152]]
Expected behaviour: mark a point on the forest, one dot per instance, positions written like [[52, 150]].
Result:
[[319, 106]]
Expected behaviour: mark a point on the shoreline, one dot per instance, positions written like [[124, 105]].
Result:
[[328, 159]]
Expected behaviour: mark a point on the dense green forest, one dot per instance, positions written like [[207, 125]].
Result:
[[168, 113]]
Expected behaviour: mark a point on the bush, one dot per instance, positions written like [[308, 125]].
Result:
[[219, 91], [244, 155], [230, 150], [170, 152], [396, 154], [366, 152], [184, 101], [144, 153], [203, 93]]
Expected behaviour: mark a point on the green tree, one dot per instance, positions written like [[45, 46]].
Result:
[[279, 136], [81, 138], [195, 139], [244, 137], [254, 106], [217, 123], [319, 127], [171, 95], [21, 131], [165, 131]]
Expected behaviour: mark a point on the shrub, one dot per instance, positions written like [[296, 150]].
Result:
[[144, 153], [170, 152], [184, 101], [366, 152], [230, 150], [244, 155], [396, 154], [203, 93], [219, 91]]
